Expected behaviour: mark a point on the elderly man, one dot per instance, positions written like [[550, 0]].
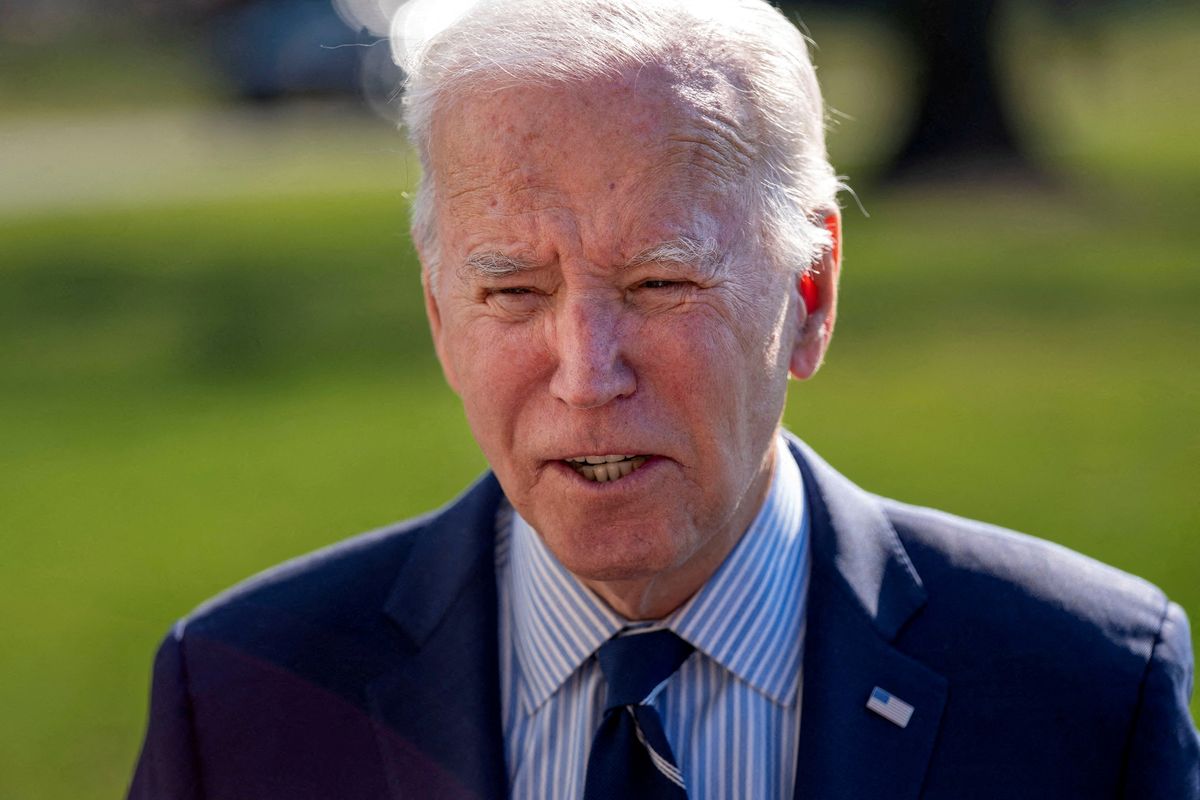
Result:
[[629, 237]]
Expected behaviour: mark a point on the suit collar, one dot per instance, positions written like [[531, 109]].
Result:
[[851, 533], [447, 558], [436, 709], [864, 590]]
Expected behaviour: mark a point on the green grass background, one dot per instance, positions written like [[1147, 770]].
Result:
[[213, 357]]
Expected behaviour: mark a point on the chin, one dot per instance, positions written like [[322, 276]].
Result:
[[616, 553]]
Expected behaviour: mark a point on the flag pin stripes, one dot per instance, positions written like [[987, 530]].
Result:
[[891, 708]]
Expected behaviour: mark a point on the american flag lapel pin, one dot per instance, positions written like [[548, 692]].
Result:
[[890, 707]]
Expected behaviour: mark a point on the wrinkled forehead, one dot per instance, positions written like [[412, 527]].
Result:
[[595, 134]]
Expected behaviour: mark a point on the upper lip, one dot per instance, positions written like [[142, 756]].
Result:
[[600, 451], [605, 456]]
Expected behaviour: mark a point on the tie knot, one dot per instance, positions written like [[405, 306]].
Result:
[[635, 664]]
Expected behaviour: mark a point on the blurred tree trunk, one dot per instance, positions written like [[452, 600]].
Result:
[[962, 124]]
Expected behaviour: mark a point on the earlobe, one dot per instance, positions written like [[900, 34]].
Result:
[[817, 289]]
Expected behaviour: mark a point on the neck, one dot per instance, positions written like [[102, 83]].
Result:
[[652, 598]]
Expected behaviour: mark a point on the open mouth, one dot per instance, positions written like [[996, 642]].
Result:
[[605, 468]]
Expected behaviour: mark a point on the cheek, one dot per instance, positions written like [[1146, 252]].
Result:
[[722, 378], [694, 364], [713, 342], [499, 368]]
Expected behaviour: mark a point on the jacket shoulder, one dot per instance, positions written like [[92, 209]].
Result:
[[1033, 636], [339, 595], [318, 615], [1010, 575], [1004, 603], [353, 572]]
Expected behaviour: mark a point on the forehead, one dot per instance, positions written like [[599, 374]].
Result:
[[647, 149]]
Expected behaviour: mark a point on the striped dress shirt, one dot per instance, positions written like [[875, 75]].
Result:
[[731, 712]]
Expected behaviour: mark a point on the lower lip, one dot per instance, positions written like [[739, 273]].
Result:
[[633, 480]]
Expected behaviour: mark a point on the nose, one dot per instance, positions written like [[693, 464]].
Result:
[[591, 369]]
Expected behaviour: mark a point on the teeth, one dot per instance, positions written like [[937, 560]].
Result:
[[598, 459], [605, 470]]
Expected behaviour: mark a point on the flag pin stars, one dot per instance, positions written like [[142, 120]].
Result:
[[890, 707]]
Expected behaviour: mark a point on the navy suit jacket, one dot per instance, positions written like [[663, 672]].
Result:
[[370, 669]]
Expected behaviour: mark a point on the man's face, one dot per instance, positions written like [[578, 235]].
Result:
[[602, 292]]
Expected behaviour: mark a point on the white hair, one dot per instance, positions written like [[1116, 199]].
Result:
[[493, 44]]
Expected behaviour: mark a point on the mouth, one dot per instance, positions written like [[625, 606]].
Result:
[[603, 469]]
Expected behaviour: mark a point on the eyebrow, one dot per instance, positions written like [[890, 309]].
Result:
[[681, 251], [493, 265]]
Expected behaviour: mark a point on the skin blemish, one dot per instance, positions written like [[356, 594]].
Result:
[[611, 186]]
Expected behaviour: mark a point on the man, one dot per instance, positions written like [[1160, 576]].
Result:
[[629, 238]]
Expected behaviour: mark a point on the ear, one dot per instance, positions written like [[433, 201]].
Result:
[[816, 304], [434, 313]]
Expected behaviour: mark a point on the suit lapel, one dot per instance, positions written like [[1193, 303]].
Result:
[[863, 590], [436, 710]]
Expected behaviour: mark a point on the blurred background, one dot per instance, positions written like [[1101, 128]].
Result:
[[213, 355]]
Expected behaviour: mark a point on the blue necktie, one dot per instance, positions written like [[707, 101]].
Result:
[[630, 755]]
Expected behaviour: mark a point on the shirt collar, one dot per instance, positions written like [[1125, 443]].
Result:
[[748, 616], [558, 622]]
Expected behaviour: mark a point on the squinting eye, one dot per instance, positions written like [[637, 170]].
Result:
[[660, 284], [514, 299]]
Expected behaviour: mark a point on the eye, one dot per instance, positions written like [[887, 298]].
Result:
[[661, 293], [661, 284], [516, 300], [507, 292]]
